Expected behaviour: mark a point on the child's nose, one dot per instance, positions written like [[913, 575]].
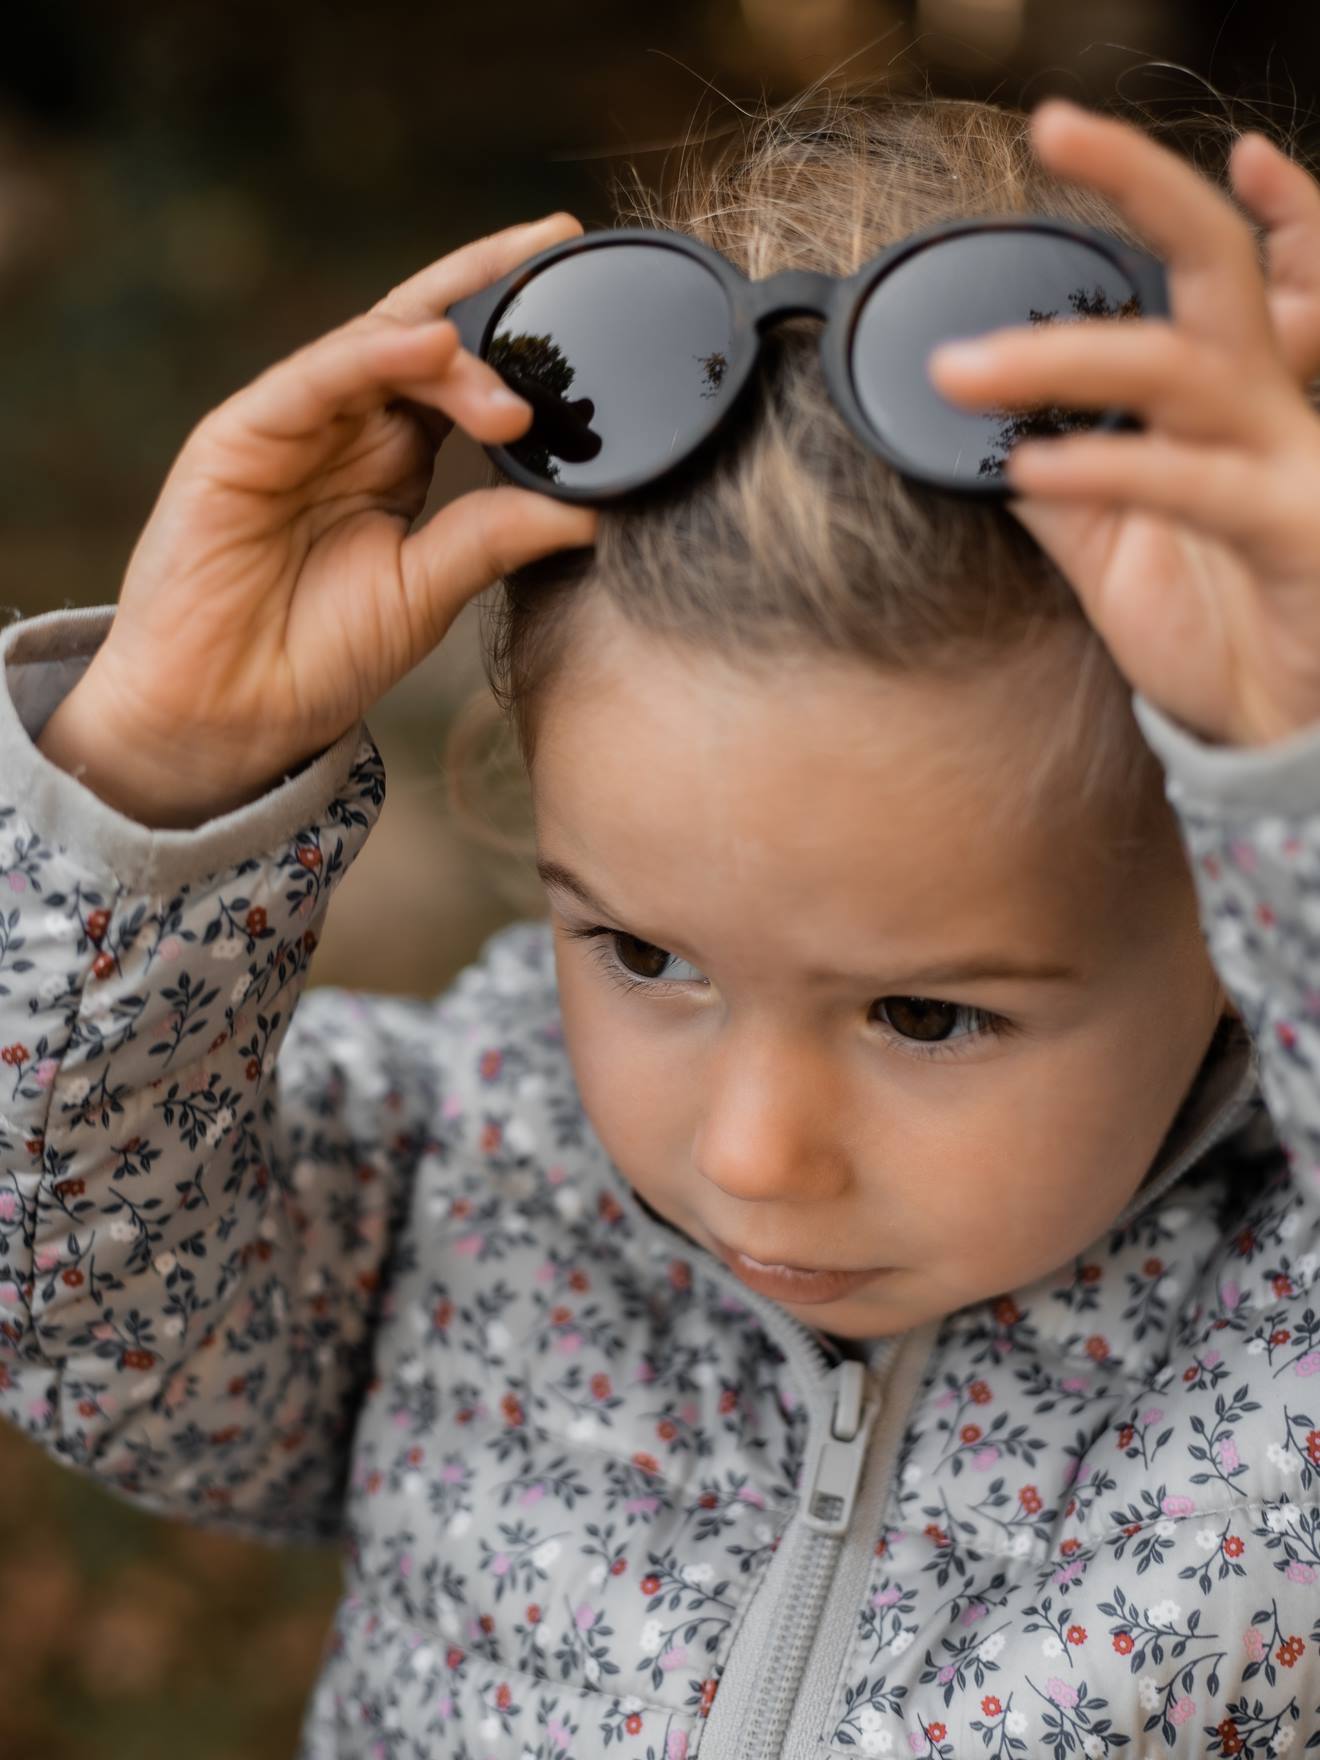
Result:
[[768, 1125]]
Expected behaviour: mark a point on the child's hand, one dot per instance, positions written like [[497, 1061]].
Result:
[[275, 593], [1195, 546]]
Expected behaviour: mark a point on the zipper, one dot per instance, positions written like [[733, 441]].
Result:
[[830, 1477]]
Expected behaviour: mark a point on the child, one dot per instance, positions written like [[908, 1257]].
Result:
[[724, 1321]]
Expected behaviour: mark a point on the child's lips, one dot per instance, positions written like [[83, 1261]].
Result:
[[793, 1283]]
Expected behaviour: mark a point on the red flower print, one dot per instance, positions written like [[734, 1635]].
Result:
[[633, 1724], [609, 1208], [442, 1314], [533, 1615], [600, 1385], [1280, 1335], [619, 1566], [487, 1624], [1190, 1372], [490, 1064], [1126, 1436], [990, 1706], [650, 1585], [1076, 1634], [680, 1273], [936, 1731], [1069, 1547], [309, 855], [708, 1500], [1007, 1312], [453, 1656], [728, 1400], [252, 1068], [979, 1393], [647, 1462], [15, 1054], [137, 1360], [503, 1696], [1123, 1643], [1090, 1274], [667, 1429], [512, 1409], [1097, 1347], [1132, 1528], [1229, 1739], [560, 1316], [1290, 1651], [1233, 1546], [1153, 1267], [1282, 1286], [1287, 1036], [103, 965], [708, 1691], [73, 1277], [415, 1457], [970, 1433], [578, 1281], [1030, 1500], [70, 1188], [97, 924], [1246, 1241], [491, 1136], [934, 1532], [881, 1547], [255, 921], [1264, 916]]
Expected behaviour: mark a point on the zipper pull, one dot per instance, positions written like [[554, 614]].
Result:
[[836, 1466]]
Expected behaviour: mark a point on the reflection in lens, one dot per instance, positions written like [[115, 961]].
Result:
[[622, 350], [963, 287]]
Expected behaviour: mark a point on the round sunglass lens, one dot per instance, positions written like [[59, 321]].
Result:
[[961, 287], [623, 352]]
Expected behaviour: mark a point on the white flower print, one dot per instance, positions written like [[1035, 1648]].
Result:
[[1093, 1747], [869, 1718], [546, 1554], [1289, 1223], [591, 1669], [1166, 1529], [1148, 1691], [122, 1231], [1280, 1457], [461, 1521], [74, 1090], [1255, 1347], [1206, 1538], [52, 988], [701, 1573], [242, 984], [230, 948], [1051, 1646], [652, 1637], [1015, 1722], [992, 1646], [630, 1704], [172, 1327], [1163, 1613], [877, 1741], [911, 1475], [900, 1640], [490, 1729], [1305, 1269], [596, 1575], [497, 1336], [1283, 1740]]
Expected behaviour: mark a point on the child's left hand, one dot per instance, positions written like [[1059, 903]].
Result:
[[1195, 545]]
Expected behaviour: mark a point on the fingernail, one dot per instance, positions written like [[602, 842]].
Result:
[[500, 397], [960, 354]]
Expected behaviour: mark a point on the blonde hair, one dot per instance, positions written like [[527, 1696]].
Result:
[[794, 538]]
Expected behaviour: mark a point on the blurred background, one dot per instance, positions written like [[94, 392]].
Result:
[[188, 193]]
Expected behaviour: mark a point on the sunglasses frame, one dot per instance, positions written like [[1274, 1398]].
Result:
[[756, 305]]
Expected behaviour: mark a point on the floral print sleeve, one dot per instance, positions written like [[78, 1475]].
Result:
[[199, 1183]]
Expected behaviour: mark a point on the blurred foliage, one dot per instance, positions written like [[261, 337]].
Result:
[[187, 193]]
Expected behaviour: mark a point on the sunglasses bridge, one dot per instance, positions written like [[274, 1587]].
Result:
[[790, 293]]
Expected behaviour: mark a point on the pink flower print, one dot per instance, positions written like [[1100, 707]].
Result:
[[1075, 1384], [689, 1413], [1061, 1693], [1069, 1573], [676, 1746], [170, 948], [948, 1398], [468, 1244], [405, 1564], [585, 1617], [558, 1732], [749, 1494], [445, 1706], [451, 1473], [947, 1673], [1212, 1359], [1244, 854], [1152, 1415], [1230, 1295], [674, 1657], [8, 1295], [645, 1371], [1253, 1644], [1181, 1710], [532, 1494], [17, 881], [44, 1073], [1309, 1364], [886, 1597], [642, 1506], [48, 1258], [916, 1741], [8, 1205], [453, 1107], [985, 1458], [500, 1564], [568, 1342], [1177, 1506], [545, 1274], [1228, 1454], [1299, 1572], [973, 1611]]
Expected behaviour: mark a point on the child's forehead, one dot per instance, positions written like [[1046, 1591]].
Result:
[[808, 778]]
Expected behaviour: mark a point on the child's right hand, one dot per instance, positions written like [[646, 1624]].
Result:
[[275, 593]]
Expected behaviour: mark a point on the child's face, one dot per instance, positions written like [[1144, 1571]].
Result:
[[762, 828]]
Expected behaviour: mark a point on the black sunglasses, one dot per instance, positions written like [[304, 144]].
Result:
[[632, 345]]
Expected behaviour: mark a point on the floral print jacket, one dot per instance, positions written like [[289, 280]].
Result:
[[355, 1268]]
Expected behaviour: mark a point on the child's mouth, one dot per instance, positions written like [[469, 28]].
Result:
[[792, 1283]]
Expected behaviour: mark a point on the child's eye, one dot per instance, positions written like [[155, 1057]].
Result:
[[924, 1025], [635, 963]]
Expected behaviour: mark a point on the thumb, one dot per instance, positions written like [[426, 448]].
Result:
[[471, 541]]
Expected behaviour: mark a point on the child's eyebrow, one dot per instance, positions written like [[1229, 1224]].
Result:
[[976, 968]]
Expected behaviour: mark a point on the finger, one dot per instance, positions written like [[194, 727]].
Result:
[[1284, 198], [1179, 383], [362, 367], [471, 541], [1218, 489], [431, 291], [1215, 282]]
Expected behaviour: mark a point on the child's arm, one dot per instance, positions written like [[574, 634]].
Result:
[[200, 1188]]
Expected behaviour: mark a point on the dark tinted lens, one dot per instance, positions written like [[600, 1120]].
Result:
[[965, 286], [623, 352]]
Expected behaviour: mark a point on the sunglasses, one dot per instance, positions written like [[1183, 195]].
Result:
[[633, 345]]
